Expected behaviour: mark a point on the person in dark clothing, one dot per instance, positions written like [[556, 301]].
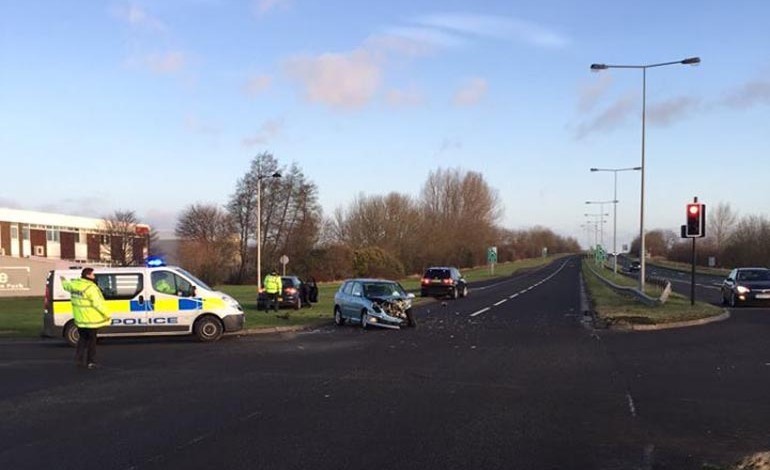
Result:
[[312, 290], [304, 294]]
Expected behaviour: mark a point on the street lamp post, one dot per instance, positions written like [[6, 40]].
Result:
[[599, 67], [597, 224], [602, 214], [615, 211], [260, 177]]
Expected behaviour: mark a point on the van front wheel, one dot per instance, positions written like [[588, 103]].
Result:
[[208, 329], [71, 333]]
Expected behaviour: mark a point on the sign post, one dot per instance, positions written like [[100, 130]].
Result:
[[284, 261], [492, 258]]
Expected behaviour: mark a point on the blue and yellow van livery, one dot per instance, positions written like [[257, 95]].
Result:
[[164, 300]]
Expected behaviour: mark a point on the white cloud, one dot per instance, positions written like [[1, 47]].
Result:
[[263, 6], [339, 80], [136, 16], [257, 85], [267, 131], [497, 27], [471, 92], [404, 98]]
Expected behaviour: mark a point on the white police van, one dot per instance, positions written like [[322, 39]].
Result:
[[138, 308]]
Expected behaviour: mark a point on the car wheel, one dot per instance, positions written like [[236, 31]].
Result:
[[733, 300], [423, 293], [724, 299], [208, 329], [454, 293], [298, 305], [338, 320], [364, 319], [71, 333], [410, 321], [464, 292]]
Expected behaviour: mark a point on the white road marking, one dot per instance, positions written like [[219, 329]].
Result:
[[631, 406], [513, 296], [480, 311], [501, 302]]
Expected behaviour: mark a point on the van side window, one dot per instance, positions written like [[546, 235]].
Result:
[[122, 286], [167, 282]]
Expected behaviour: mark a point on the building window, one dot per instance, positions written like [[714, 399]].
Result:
[[104, 239], [52, 235], [14, 232], [25, 233]]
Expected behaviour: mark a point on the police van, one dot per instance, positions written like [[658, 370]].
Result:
[[143, 301]]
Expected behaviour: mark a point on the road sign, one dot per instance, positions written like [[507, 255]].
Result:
[[284, 259], [492, 254]]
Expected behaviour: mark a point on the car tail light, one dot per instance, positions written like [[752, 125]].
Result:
[[290, 290], [448, 282], [425, 280]]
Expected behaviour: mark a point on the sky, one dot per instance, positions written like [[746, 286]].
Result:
[[154, 105]]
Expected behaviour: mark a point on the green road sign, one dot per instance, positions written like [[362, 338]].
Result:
[[492, 254]]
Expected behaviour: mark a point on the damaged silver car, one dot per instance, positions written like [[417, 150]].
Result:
[[373, 302]]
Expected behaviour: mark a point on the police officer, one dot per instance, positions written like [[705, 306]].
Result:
[[273, 288], [90, 312]]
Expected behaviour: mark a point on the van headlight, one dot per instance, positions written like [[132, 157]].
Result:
[[742, 289]]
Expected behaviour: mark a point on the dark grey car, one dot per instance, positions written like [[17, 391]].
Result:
[[745, 286]]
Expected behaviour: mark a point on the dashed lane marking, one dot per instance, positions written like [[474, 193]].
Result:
[[480, 311]]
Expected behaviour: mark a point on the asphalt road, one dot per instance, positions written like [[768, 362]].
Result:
[[508, 377]]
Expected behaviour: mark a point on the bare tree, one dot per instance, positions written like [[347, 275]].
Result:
[[124, 247], [749, 244], [721, 223], [208, 241]]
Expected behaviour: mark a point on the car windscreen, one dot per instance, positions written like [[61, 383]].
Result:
[[754, 275], [383, 289], [194, 279]]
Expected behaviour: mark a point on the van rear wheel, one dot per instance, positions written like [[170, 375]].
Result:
[[208, 329], [71, 333]]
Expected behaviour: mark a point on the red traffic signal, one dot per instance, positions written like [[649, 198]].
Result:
[[696, 220]]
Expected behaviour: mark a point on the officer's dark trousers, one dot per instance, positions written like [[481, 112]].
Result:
[[86, 345], [272, 302]]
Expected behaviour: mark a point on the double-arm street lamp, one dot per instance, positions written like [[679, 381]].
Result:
[[260, 177], [597, 224], [601, 215], [599, 67], [615, 211]]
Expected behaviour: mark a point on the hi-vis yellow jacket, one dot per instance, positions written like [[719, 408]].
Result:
[[88, 305], [273, 284]]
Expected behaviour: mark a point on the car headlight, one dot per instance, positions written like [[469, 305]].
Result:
[[742, 289]]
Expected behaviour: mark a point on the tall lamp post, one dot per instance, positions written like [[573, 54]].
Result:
[[601, 215], [260, 177], [599, 67], [596, 224], [615, 211]]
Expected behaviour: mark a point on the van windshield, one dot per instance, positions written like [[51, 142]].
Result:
[[194, 279]]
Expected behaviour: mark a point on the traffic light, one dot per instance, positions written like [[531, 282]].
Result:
[[696, 220]]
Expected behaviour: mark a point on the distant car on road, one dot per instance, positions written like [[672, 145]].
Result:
[[635, 266], [746, 286], [443, 281], [289, 297], [373, 302]]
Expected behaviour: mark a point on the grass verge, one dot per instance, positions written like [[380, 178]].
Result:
[[23, 317], [615, 308]]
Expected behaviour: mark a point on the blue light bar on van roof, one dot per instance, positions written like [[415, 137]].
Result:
[[154, 262]]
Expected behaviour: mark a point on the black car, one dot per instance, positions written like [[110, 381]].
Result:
[[745, 286], [290, 297], [443, 281], [635, 266]]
